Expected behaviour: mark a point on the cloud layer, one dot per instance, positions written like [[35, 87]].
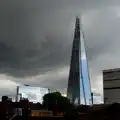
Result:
[[36, 40]]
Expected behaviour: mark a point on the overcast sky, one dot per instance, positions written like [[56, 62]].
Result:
[[36, 41], [34, 94]]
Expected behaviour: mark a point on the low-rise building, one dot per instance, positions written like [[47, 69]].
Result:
[[111, 85]]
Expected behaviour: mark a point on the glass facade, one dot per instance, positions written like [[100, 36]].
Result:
[[85, 86], [78, 83]]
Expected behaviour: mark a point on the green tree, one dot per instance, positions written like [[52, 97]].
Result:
[[56, 102]]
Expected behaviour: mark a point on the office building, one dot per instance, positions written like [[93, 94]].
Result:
[[111, 85]]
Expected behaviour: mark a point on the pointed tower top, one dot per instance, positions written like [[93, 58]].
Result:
[[77, 28], [77, 17], [77, 20]]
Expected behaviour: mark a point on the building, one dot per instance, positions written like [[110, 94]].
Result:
[[41, 113], [31, 93], [73, 90], [111, 85]]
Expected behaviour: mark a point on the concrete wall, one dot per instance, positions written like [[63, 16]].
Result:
[[111, 86], [111, 75], [112, 96]]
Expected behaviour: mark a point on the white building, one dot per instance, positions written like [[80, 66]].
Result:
[[111, 85]]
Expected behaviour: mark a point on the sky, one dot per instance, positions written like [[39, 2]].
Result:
[[34, 94], [36, 41]]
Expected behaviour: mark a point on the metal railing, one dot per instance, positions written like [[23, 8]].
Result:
[[13, 117]]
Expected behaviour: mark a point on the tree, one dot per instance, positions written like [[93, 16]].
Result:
[[4, 98], [56, 102]]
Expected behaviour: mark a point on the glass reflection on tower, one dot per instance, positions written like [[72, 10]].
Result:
[[85, 86]]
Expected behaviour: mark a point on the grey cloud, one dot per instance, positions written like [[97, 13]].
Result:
[[102, 43], [36, 36], [36, 43], [31, 96]]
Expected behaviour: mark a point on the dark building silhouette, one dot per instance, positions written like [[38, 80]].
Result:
[[4, 98], [73, 90]]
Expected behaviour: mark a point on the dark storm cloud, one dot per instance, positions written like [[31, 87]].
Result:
[[30, 42], [36, 37], [103, 39], [35, 34]]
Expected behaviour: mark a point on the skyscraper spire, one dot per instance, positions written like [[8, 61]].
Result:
[[73, 90]]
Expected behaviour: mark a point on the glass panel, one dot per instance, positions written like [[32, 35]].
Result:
[[85, 83]]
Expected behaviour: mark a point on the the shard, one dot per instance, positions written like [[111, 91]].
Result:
[[73, 90]]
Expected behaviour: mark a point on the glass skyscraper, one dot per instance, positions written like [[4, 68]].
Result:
[[79, 88]]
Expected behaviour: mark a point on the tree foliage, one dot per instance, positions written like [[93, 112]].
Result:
[[55, 101]]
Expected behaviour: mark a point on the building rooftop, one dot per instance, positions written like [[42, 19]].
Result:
[[112, 70]]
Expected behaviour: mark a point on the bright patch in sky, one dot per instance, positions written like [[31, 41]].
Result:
[[34, 94]]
